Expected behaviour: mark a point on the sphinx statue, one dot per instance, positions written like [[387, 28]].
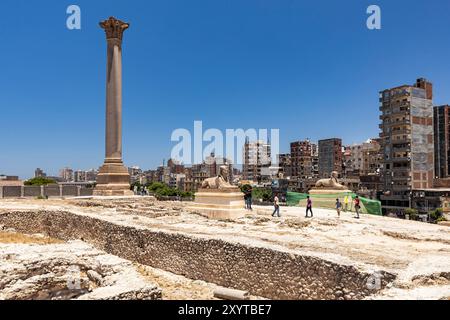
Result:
[[218, 199], [330, 184], [220, 182]]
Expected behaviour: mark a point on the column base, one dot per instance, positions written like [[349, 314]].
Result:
[[113, 179]]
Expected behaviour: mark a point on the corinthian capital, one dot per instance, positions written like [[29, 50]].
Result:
[[114, 28]]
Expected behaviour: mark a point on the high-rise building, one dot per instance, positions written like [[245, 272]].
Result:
[[160, 174], [79, 176], [212, 165], [66, 174], [151, 176], [330, 157], [363, 159], [175, 166], [407, 142], [39, 173], [315, 159], [91, 175], [166, 175], [256, 161], [301, 159], [347, 170], [285, 164], [442, 141], [199, 174], [85, 176]]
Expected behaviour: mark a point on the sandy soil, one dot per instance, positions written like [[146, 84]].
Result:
[[177, 287], [13, 237]]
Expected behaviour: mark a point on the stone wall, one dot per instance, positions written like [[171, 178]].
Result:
[[11, 191], [68, 191], [52, 191], [44, 191], [86, 192], [261, 271], [32, 191]]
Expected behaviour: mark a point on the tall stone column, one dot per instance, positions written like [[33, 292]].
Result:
[[113, 178]]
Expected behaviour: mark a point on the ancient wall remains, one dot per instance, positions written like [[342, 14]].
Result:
[[44, 191], [261, 271]]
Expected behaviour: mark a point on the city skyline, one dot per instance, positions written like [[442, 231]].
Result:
[[263, 77]]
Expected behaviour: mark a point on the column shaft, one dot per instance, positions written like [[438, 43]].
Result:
[[113, 145]]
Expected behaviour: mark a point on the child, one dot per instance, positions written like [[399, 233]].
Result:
[[338, 207], [346, 203]]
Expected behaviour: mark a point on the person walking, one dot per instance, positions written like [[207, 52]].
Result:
[[309, 207], [276, 204], [346, 203], [248, 199], [338, 207], [357, 206]]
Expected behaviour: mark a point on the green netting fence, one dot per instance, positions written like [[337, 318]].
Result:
[[328, 201]]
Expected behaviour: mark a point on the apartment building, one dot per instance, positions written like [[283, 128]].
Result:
[[407, 142], [330, 157]]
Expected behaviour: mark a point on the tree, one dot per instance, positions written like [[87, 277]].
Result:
[[39, 181], [135, 184], [263, 194], [153, 187], [413, 214], [163, 190], [437, 215]]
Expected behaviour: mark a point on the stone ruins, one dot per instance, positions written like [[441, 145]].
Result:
[[287, 258]]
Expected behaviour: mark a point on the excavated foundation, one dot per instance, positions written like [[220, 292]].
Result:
[[262, 271]]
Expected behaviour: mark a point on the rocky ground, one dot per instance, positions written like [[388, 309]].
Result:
[[36, 267], [419, 253]]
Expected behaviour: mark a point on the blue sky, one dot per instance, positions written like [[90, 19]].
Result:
[[310, 68]]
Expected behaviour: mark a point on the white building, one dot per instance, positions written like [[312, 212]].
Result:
[[257, 161]]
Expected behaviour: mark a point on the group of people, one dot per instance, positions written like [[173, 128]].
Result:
[[347, 201], [140, 191], [339, 206], [346, 206], [276, 204]]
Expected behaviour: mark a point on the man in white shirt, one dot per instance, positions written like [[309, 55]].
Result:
[[276, 204]]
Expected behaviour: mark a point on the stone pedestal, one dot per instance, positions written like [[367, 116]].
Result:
[[319, 191], [113, 178], [219, 204]]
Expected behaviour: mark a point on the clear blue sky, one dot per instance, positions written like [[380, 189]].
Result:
[[310, 68]]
